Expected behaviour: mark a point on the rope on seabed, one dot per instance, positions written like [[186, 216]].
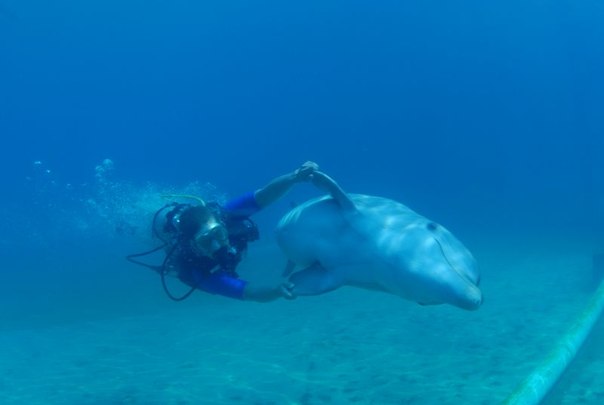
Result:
[[539, 383]]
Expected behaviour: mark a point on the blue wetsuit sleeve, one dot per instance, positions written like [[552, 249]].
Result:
[[243, 206], [221, 283]]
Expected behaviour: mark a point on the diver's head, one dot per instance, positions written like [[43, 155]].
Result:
[[211, 237], [189, 221], [206, 232]]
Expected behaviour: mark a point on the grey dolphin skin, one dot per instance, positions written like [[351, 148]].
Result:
[[375, 243]]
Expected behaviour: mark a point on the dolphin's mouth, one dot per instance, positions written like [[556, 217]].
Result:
[[471, 298], [459, 268]]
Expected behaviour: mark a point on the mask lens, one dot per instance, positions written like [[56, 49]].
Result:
[[219, 234], [208, 241]]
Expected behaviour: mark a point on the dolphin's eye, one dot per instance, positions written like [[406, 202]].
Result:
[[431, 226]]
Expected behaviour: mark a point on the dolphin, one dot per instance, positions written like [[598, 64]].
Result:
[[378, 244]]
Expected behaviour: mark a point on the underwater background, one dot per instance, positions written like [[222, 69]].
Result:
[[486, 117]]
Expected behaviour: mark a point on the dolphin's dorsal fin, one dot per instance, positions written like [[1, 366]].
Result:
[[344, 201], [335, 191]]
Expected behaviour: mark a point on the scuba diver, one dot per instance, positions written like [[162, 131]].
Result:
[[205, 242]]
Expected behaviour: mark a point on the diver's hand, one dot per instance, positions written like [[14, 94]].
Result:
[[287, 290], [305, 171]]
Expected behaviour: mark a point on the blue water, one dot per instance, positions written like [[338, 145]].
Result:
[[484, 117]]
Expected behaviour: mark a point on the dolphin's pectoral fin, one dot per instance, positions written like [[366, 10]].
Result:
[[313, 280], [289, 268]]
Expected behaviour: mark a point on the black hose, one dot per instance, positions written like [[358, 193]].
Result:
[[131, 259], [162, 270]]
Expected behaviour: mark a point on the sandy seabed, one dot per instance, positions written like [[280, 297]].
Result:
[[347, 347]]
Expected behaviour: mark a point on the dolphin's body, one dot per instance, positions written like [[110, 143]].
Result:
[[379, 244]]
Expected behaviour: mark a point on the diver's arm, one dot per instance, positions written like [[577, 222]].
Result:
[[266, 293], [260, 294], [280, 185], [229, 285]]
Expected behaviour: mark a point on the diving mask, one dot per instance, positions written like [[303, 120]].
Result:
[[211, 237]]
